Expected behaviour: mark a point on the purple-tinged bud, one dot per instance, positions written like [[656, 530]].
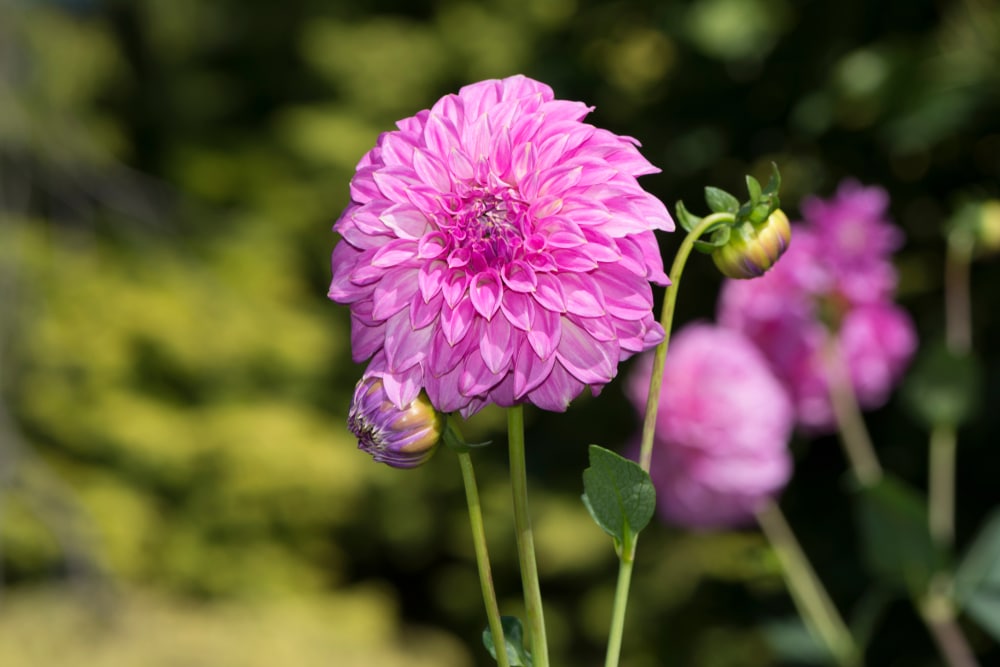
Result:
[[752, 249], [400, 438]]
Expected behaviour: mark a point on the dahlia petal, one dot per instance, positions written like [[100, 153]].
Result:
[[549, 293], [394, 253], [519, 309], [441, 135], [519, 277], [394, 292], [589, 360], [475, 377], [443, 391], [496, 345], [485, 291], [365, 340], [443, 357], [408, 223], [583, 295], [571, 259], [402, 388], [405, 346], [529, 370], [432, 245], [600, 328], [430, 277], [459, 165], [455, 321], [431, 171], [557, 391], [455, 286], [394, 182], [626, 295], [545, 334], [423, 313], [397, 148]]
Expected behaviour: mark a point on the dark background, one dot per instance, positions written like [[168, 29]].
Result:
[[177, 485]]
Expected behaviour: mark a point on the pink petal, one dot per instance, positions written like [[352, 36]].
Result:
[[485, 291], [496, 345]]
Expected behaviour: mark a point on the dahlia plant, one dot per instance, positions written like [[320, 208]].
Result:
[[499, 250]]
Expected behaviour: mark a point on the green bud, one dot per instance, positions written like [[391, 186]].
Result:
[[753, 248]]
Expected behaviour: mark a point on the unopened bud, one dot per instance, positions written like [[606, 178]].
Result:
[[752, 248], [400, 438]]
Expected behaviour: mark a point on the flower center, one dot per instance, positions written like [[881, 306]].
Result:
[[487, 226]]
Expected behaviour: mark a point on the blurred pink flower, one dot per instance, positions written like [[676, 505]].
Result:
[[722, 431], [497, 249], [830, 283]]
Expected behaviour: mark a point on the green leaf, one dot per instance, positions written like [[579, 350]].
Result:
[[513, 637], [896, 541], [977, 580], [753, 187], [984, 607], [774, 182], [720, 201], [980, 567], [868, 612], [618, 494], [944, 387], [685, 218]]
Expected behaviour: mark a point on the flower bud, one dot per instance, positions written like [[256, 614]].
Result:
[[754, 248], [400, 438]]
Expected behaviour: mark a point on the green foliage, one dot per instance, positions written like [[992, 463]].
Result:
[[619, 496], [513, 636], [944, 387], [896, 540], [977, 581]]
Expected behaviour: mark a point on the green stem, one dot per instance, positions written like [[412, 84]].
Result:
[[525, 540], [939, 613], [483, 558], [941, 504], [627, 555], [667, 321], [811, 599], [957, 302], [850, 422]]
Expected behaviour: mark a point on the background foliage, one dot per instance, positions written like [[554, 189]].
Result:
[[176, 480]]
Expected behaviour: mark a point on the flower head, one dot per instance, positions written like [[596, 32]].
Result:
[[497, 249], [401, 438], [722, 429], [831, 292]]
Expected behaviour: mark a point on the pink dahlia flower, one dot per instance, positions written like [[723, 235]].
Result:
[[830, 288], [722, 431], [497, 249]]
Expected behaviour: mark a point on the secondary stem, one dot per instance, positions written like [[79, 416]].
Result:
[[667, 321], [938, 612], [627, 555], [525, 540], [618, 610], [851, 425], [811, 599], [941, 504], [483, 558]]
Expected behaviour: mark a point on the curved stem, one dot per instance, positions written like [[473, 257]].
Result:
[[483, 558], [667, 321], [525, 540], [811, 599], [850, 422], [627, 555]]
